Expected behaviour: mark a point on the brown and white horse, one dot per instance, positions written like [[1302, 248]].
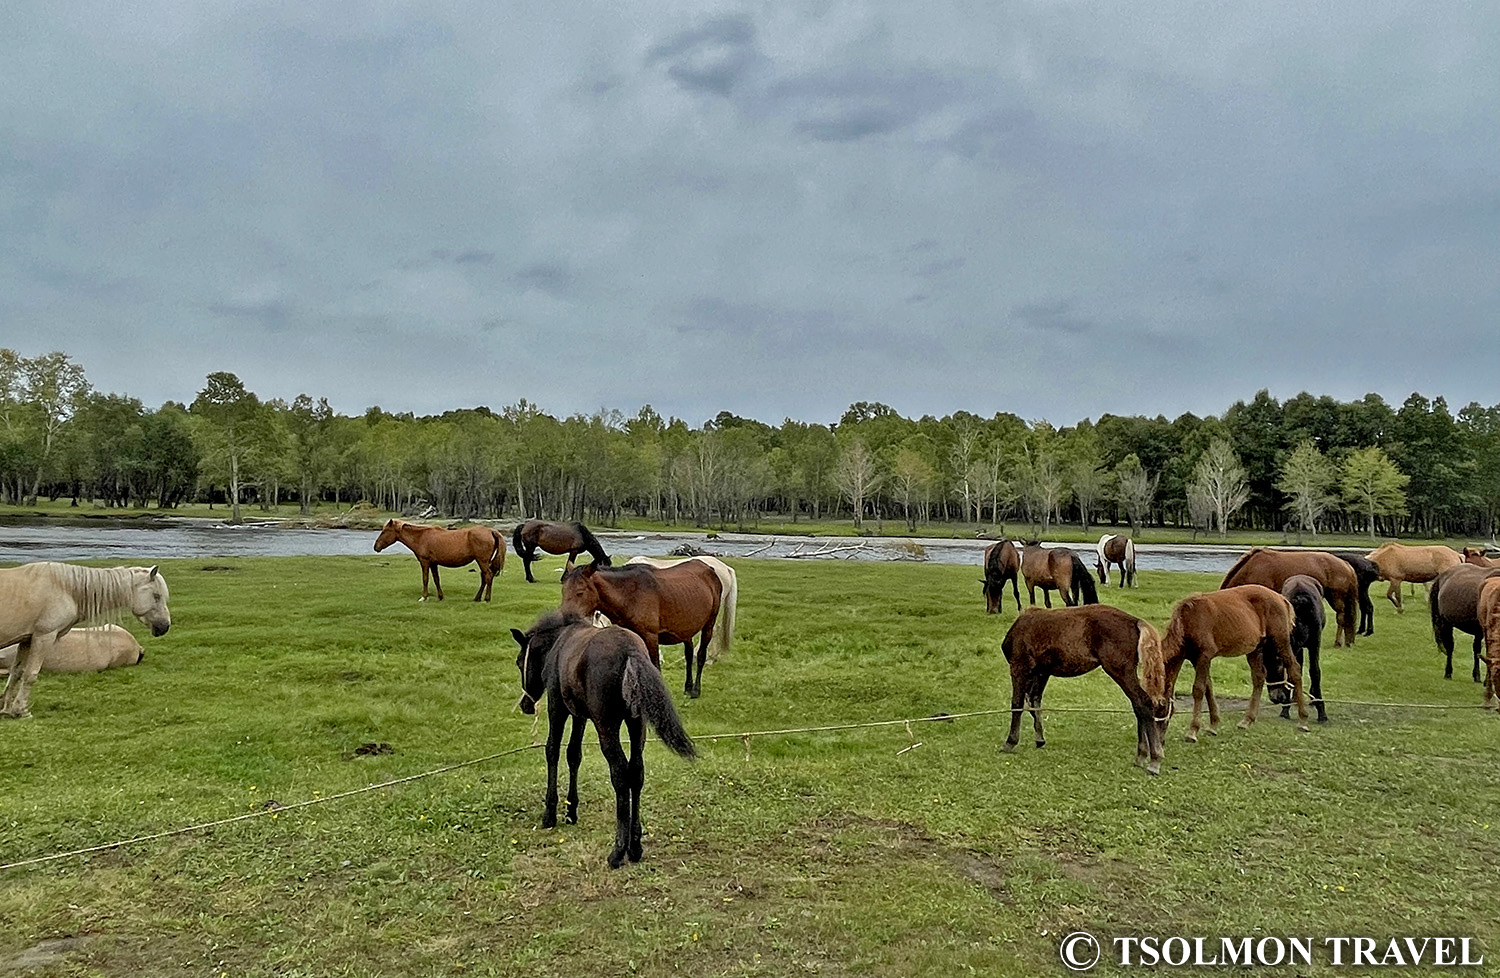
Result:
[[1116, 548]]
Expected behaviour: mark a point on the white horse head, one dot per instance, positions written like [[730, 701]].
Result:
[[148, 599]]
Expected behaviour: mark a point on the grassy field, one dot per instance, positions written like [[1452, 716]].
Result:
[[809, 854]]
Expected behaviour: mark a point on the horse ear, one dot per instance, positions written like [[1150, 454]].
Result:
[[152, 576], [519, 636]]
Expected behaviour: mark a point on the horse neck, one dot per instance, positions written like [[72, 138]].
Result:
[[412, 536], [95, 590]]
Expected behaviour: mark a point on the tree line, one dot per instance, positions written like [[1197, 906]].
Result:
[[1309, 464]]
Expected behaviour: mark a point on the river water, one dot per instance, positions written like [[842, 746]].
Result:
[[144, 541]]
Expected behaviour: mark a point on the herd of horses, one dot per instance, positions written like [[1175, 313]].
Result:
[[596, 657]]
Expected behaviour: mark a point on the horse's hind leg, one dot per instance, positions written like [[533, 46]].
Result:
[[1018, 683], [619, 778], [484, 580], [1257, 684], [1037, 687], [1444, 634], [425, 572], [557, 715], [575, 755], [437, 582], [1015, 589], [637, 777], [15, 702], [1393, 594], [703, 641], [1315, 668], [1478, 644], [687, 680]]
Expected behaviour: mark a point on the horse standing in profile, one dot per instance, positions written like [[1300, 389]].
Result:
[[1413, 565], [555, 538], [1116, 548], [1073, 641], [40, 603], [1002, 562], [1453, 601], [1248, 620], [667, 606], [1271, 568], [436, 547], [1057, 569], [603, 675], [729, 591]]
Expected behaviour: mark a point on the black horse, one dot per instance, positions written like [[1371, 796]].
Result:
[[1308, 618], [1002, 562], [603, 675], [1366, 573], [555, 538]]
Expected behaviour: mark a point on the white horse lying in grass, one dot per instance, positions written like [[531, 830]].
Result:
[[40, 603], [729, 584], [84, 650]]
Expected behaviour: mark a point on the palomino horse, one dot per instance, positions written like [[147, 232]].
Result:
[[1453, 601], [1489, 620], [664, 606], [1248, 620], [436, 547], [1115, 548], [1306, 596], [1001, 563], [40, 603], [1475, 556], [729, 591], [1414, 565], [1057, 569], [84, 650], [1366, 572], [1073, 641], [555, 538], [1271, 568], [603, 675]]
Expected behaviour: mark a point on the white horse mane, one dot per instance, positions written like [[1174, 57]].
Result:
[[98, 591]]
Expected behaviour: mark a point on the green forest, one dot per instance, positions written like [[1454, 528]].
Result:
[[1310, 463]]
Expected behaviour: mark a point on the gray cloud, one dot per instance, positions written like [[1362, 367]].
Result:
[[713, 57]]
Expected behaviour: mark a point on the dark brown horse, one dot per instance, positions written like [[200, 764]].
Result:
[[1271, 568], [1073, 641], [603, 675], [436, 547], [1306, 596], [1453, 600], [1489, 621], [1366, 572], [1001, 563], [1118, 549], [1248, 620], [663, 606], [1057, 569], [555, 538]]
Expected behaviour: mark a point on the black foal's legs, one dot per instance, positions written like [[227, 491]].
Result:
[[619, 778], [637, 777], [557, 715], [575, 754]]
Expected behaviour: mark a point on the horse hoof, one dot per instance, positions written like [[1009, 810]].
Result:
[[1304, 728], [1213, 731], [1009, 748], [1040, 744], [1191, 738], [571, 818], [1154, 769], [1242, 725], [1322, 719], [617, 859], [695, 693], [634, 853], [549, 821]]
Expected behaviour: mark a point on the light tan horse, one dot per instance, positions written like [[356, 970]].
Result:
[[40, 603], [84, 650], [436, 547], [1475, 556], [729, 584], [1415, 565], [1489, 622]]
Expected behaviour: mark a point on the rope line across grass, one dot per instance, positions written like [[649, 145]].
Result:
[[743, 735]]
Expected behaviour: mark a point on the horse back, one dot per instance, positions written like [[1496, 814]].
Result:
[[688, 596]]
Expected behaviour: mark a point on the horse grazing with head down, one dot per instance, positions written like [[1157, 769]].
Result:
[[603, 675], [1057, 569], [1001, 563], [1366, 572], [1118, 549], [436, 547], [1306, 596], [1073, 641], [40, 603], [1271, 568], [1248, 620], [555, 538], [1453, 601], [666, 606]]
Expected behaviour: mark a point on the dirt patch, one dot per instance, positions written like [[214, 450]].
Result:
[[981, 868], [212, 568], [43, 954]]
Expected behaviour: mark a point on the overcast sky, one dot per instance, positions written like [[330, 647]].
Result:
[[1054, 209]]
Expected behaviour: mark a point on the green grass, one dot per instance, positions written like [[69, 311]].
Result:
[[818, 854]]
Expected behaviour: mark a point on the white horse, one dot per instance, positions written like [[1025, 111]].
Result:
[[1114, 548], [729, 585], [40, 603], [84, 650]]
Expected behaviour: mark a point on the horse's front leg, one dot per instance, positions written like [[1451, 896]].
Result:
[[637, 778], [1213, 701], [653, 649], [1393, 595], [1315, 668], [425, 571], [1016, 590], [557, 715], [437, 582], [1200, 689], [619, 778], [15, 702], [575, 755], [1046, 596], [1257, 683]]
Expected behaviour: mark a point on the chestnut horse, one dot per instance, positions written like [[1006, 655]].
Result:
[[1366, 572], [1001, 563], [1416, 565], [1271, 568], [1453, 601], [1489, 620], [603, 675], [1073, 641], [669, 605], [1116, 548], [436, 547], [1475, 556], [1248, 620], [1057, 569], [555, 538]]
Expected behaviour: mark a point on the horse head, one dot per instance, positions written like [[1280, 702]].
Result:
[[1278, 686], [532, 681], [580, 592], [148, 599], [388, 535]]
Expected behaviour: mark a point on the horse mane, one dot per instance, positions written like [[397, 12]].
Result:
[[1148, 653], [1235, 568], [97, 591], [592, 544], [1176, 633]]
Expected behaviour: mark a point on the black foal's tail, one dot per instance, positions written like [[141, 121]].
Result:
[[647, 695], [592, 545], [1084, 581]]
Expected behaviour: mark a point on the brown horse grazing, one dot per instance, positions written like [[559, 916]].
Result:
[[436, 547], [1115, 548], [603, 675], [1056, 569], [1306, 596], [555, 538], [1415, 565], [1248, 620], [1271, 568], [1365, 573], [1489, 620], [1453, 601], [663, 606], [1475, 556], [1001, 563], [1073, 641]]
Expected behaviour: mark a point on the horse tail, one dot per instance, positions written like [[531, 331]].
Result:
[[1084, 581], [1103, 566], [520, 544], [724, 634], [497, 556], [1148, 656], [646, 695], [1432, 607], [1235, 569], [1130, 559], [592, 545]]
